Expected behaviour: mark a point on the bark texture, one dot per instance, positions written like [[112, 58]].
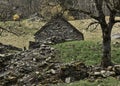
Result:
[[106, 58]]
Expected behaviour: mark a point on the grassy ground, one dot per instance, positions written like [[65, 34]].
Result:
[[85, 51], [104, 82], [88, 51]]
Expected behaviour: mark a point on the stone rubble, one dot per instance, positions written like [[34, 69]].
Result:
[[38, 66], [6, 54], [42, 67]]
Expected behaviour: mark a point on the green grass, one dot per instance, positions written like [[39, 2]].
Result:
[[85, 51], [89, 52], [99, 82]]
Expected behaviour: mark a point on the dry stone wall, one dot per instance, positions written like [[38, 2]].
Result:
[[42, 67], [58, 30]]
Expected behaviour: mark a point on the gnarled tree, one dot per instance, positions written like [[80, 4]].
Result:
[[113, 6], [106, 27]]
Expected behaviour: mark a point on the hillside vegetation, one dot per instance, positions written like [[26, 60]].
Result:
[[85, 51], [105, 82], [27, 29], [88, 51]]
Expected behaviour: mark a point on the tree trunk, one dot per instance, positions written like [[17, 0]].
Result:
[[106, 58]]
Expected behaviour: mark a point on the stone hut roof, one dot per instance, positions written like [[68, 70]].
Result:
[[57, 30]]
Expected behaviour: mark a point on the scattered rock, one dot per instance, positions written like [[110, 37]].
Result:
[[109, 68], [76, 70], [116, 68], [110, 73], [53, 71], [97, 73], [102, 71], [118, 77], [41, 66], [68, 80], [116, 36]]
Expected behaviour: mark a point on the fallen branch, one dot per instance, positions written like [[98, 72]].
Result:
[[9, 31], [94, 27], [111, 7], [92, 23]]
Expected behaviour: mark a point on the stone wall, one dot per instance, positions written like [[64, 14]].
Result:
[[58, 30]]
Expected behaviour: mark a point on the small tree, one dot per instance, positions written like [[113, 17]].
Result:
[[113, 7], [107, 27]]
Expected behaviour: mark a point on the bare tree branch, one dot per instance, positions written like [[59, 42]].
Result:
[[109, 5], [9, 31], [99, 4], [94, 27], [93, 23], [85, 12]]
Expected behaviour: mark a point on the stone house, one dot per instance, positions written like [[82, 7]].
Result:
[[58, 30]]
